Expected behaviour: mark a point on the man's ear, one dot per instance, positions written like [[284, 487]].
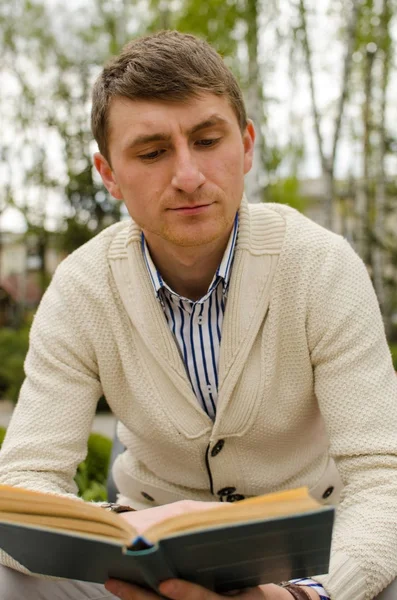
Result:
[[249, 142], [107, 175]]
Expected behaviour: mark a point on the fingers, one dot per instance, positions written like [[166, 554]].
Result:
[[271, 591], [127, 591], [176, 589]]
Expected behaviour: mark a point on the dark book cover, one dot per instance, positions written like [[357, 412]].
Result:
[[222, 558]]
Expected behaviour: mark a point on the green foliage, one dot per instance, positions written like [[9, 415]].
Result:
[[393, 350], [13, 349], [2, 435], [53, 104], [75, 234], [286, 191], [14, 345], [373, 27], [217, 21], [92, 472]]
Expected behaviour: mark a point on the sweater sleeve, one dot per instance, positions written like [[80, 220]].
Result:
[[356, 388], [48, 433]]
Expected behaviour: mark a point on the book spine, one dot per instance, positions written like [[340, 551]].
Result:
[[154, 567]]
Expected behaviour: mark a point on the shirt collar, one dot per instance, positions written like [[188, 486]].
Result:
[[223, 271]]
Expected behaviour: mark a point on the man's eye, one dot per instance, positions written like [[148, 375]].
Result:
[[208, 142], [151, 155]]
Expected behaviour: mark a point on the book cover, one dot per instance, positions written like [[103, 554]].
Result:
[[221, 557]]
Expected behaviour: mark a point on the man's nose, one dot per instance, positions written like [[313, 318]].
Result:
[[187, 175]]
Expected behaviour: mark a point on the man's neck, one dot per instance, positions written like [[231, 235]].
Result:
[[188, 271]]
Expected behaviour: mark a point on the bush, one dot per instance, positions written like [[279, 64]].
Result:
[[393, 350], [92, 473], [13, 348], [14, 345]]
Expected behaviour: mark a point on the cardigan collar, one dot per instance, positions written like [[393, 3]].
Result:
[[261, 233], [223, 271]]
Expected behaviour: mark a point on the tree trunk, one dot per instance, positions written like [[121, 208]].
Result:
[[254, 99], [164, 15], [328, 162], [1, 254], [326, 167], [378, 255], [364, 208], [350, 43], [42, 243]]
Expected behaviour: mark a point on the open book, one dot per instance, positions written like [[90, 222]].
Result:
[[259, 540]]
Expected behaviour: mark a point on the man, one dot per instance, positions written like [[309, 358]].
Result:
[[240, 347]]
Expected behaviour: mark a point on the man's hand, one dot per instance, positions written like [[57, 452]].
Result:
[[176, 589]]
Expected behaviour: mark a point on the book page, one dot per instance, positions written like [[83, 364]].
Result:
[[58, 512], [19, 505], [269, 506]]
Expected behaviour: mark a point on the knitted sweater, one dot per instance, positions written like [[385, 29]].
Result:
[[305, 382]]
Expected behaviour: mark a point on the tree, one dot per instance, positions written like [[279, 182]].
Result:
[[51, 68], [254, 100], [328, 161], [379, 259], [374, 241]]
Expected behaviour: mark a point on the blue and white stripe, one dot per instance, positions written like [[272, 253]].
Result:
[[197, 325], [314, 585]]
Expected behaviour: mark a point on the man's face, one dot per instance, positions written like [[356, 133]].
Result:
[[179, 167]]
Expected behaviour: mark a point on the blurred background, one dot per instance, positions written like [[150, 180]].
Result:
[[320, 83]]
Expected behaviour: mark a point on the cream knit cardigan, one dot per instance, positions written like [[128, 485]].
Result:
[[305, 374]]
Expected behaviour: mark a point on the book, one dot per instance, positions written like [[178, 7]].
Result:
[[269, 538]]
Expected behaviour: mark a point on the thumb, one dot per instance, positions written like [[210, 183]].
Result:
[[177, 589]]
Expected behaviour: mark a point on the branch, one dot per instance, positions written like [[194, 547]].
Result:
[[309, 67], [385, 23], [351, 38]]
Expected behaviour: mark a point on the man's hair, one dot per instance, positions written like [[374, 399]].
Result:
[[167, 66]]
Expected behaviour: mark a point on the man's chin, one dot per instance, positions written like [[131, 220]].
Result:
[[191, 242], [186, 239]]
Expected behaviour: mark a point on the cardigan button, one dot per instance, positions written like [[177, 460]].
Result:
[[226, 491], [328, 492], [235, 498], [147, 497], [218, 447]]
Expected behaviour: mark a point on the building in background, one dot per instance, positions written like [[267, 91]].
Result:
[[24, 274]]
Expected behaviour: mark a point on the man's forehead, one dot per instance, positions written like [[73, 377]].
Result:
[[153, 116]]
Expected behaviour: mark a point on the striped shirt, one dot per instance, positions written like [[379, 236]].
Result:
[[197, 329], [197, 325], [314, 585]]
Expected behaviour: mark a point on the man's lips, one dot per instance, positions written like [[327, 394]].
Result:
[[191, 209]]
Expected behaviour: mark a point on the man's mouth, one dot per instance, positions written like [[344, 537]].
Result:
[[192, 209]]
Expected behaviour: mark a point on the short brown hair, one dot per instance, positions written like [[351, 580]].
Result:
[[169, 66]]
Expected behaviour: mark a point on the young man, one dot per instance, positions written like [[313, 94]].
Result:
[[240, 347]]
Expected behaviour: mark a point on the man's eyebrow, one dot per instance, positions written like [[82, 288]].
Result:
[[145, 139], [210, 122], [165, 137]]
